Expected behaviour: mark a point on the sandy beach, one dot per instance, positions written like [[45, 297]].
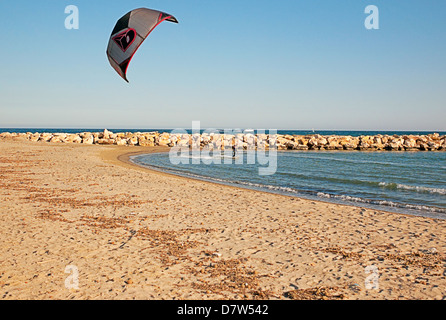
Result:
[[82, 222]]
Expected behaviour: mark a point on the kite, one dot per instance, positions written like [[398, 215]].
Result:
[[128, 35]]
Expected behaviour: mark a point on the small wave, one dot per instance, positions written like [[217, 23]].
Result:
[[345, 198], [342, 198], [381, 203], [395, 186]]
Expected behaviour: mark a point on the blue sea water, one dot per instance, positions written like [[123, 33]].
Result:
[[404, 182], [290, 131]]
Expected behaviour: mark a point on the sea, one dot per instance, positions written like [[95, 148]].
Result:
[[402, 182], [280, 131]]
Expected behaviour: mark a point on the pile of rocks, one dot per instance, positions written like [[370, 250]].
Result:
[[429, 142]]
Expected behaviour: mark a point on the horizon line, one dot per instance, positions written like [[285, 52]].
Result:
[[223, 128]]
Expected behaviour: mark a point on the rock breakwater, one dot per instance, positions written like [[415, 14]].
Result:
[[428, 142]]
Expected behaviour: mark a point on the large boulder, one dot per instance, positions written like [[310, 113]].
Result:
[[145, 141], [106, 141], [121, 141], [105, 134], [88, 139]]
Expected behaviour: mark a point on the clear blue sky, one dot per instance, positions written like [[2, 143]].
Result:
[[235, 63]]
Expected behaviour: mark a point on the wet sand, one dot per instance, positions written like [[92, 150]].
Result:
[[85, 212]]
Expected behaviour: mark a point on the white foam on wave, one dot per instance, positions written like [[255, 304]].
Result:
[[381, 203], [343, 198], [413, 188]]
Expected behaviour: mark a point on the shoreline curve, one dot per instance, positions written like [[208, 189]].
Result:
[[121, 156]]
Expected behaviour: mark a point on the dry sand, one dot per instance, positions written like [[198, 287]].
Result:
[[132, 233]]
